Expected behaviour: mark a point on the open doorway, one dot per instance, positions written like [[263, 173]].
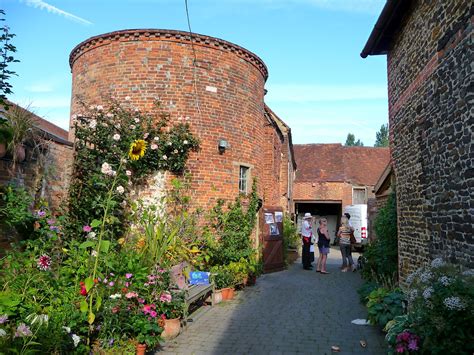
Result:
[[331, 210]]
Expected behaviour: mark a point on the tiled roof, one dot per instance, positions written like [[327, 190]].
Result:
[[335, 162]]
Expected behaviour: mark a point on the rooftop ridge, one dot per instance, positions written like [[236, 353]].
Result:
[[168, 35]]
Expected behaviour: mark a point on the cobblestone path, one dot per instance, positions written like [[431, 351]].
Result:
[[288, 312]]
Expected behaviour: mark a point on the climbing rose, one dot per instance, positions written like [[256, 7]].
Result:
[[44, 262]]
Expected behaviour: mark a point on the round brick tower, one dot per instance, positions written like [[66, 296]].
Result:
[[221, 92]]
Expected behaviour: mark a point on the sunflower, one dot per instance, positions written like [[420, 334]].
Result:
[[137, 149]]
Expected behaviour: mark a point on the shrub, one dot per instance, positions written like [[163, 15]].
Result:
[[365, 290], [384, 305], [381, 256], [440, 303]]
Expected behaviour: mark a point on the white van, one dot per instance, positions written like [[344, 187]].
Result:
[[358, 221]]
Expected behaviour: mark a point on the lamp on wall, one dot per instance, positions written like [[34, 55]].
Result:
[[222, 146]]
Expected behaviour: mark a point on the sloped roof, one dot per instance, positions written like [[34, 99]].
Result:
[[338, 163], [50, 130]]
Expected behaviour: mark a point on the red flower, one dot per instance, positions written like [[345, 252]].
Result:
[[44, 262], [83, 288], [96, 281]]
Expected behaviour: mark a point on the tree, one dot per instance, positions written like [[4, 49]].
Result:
[[6, 49], [351, 142], [381, 137]]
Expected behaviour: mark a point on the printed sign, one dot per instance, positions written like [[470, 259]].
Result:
[[274, 229], [278, 216], [199, 278], [269, 218]]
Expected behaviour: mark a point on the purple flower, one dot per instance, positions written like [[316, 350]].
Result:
[[87, 229], [23, 331], [111, 342], [3, 318], [128, 276], [413, 344], [51, 221], [111, 283], [54, 228], [41, 214]]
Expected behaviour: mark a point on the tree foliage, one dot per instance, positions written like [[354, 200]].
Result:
[[381, 137], [6, 49], [351, 142]]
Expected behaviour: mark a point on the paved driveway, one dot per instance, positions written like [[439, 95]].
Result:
[[288, 312]]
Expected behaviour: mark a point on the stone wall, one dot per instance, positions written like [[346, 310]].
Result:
[[218, 85], [431, 120]]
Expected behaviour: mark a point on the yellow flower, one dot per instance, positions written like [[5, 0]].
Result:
[[137, 149], [140, 243], [121, 241]]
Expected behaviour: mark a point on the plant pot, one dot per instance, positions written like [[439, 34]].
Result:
[[20, 153], [3, 150], [227, 293], [171, 329], [245, 280], [252, 280], [141, 349]]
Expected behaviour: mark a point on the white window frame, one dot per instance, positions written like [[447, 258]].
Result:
[[244, 180]]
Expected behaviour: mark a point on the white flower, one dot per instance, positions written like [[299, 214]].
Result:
[[123, 204], [76, 339], [175, 151], [169, 143], [165, 157], [428, 292], [128, 172], [99, 107], [454, 303], [94, 253], [180, 118], [109, 115], [123, 161], [127, 98], [469, 272], [136, 109], [145, 136], [132, 193], [129, 183], [187, 118], [426, 276], [67, 329], [137, 120], [412, 295], [156, 138], [118, 125], [91, 235], [132, 126], [185, 142], [91, 107], [120, 189], [113, 173], [445, 281], [438, 262], [92, 124], [153, 146], [115, 296], [107, 169], [116, 137], [2, 333]]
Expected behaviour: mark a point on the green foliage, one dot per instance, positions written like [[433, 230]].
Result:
[[6, 58], [15, 204], [351, 142], [223, 276], [383, 305], [290, 236], [103, 146], [381, 137], [381, 255], [440, 302], [365, 290]]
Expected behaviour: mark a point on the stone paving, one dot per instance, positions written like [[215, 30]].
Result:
[[289, 312]]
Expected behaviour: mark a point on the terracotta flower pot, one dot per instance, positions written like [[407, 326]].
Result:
[[141, 349], [171, 328], [245, 280], [217, 296], [3, 150], [227, 293]]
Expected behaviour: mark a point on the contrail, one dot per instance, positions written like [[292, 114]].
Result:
[[50, 8]]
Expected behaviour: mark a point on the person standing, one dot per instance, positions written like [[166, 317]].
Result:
[[306, 236], [323, 245], [344, 234]]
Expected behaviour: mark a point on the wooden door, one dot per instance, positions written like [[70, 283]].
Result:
[[271, 227]]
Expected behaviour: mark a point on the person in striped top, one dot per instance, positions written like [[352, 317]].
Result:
[[344, 234]]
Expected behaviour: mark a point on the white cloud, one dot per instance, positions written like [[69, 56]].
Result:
[[39, 4], [321, 93], [40, 87]]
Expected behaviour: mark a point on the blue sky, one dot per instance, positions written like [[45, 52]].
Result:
[[318, 84]]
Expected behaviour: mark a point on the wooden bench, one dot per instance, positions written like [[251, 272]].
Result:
[[192, 293]]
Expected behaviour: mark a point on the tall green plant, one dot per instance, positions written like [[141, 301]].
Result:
[[6, 57], [381, 256]]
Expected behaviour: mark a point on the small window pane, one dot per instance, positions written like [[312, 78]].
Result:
[[243, 178]]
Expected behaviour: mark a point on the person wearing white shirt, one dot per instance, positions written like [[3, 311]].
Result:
[[306, 236]]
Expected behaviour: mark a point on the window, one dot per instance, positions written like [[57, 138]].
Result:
[[243, 179], [358, 196]]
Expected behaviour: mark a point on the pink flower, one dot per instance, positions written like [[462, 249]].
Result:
[[153, 314], [128, 276], [165, 297], [148, 308], [131, 295], [141, 300], [127, 284], [44, 262], [87, 229], [111, 283], [400, 348]]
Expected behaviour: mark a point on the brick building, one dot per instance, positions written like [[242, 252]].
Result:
[[332, 176], [217, 84], [429, 60]]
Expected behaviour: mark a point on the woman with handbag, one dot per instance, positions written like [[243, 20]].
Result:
[[345, 234], [323, 245]]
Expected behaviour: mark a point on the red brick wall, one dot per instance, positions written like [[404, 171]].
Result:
[[147, 65], [326, 191]]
